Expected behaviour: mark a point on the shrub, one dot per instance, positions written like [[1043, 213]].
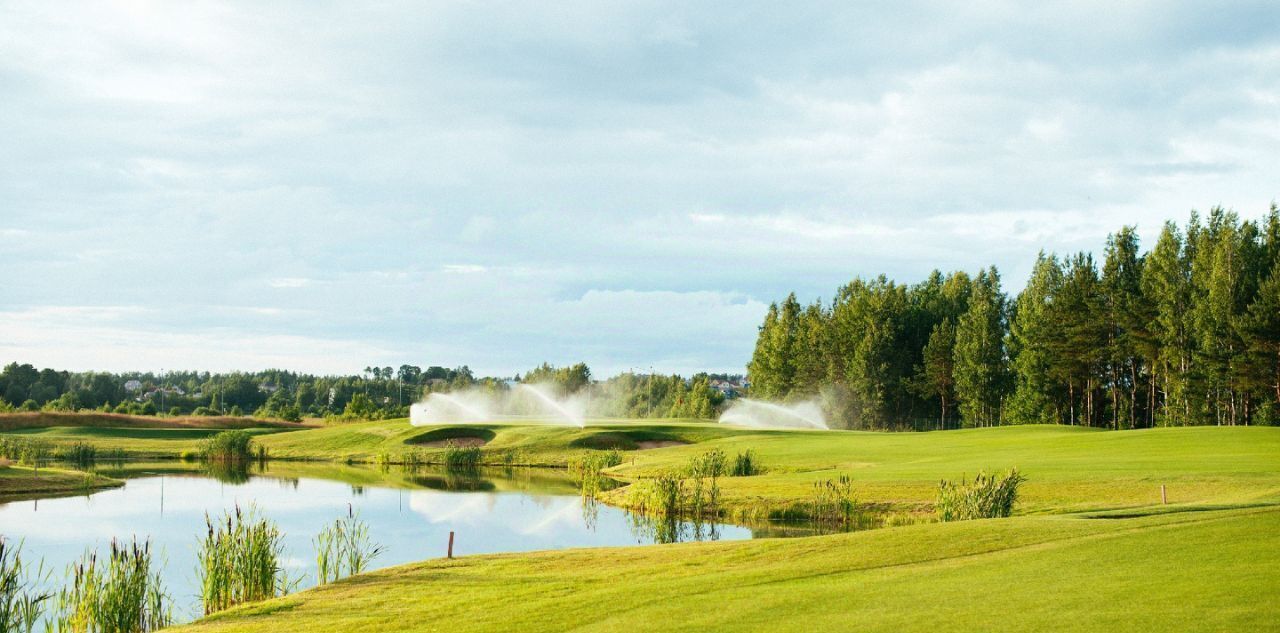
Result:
[[148, 408], [228, 446], [236, 412], [30, 405], [745, 465], [587, 467], [175, 411], [704, 471], [988, 496]]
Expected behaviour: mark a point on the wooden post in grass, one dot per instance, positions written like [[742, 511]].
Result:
[[1164, 498], [450, 544]]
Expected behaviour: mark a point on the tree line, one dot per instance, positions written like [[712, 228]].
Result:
[[1187, 333], [375, 393]]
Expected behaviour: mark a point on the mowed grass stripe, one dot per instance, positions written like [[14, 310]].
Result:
[[1210, 571]]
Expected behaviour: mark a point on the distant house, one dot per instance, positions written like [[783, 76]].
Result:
[[728, 389], [133, 385], [267, 387]]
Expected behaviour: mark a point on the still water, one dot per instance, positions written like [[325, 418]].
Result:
[[410, 513]]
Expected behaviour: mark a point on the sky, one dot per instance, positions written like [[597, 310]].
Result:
[[326, 186]]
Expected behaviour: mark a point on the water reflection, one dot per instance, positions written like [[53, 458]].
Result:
[[410, 511]]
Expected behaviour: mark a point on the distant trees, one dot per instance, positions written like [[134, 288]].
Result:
[[566, 380], [1188, 333]]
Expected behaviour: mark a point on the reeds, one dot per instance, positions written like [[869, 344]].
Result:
[[832, 506], [344, 549], [123, 595], [228, 446], [79, 454], [988, 496], [240, 561], [26, 451], [588, 466], [462, 457], [21, 604], [704, 472]]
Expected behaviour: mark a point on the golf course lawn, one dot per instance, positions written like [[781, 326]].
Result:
[[1091, 546], [1183, 571], [17, 482]]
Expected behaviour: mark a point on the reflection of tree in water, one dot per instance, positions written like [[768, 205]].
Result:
[[228, 472], [660, 529], [590, 512], [455, 482]]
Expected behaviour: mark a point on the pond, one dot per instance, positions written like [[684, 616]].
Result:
[[409, 512]]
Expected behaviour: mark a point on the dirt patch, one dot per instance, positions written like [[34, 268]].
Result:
[[459, 435], [647, 444], [44, 419], [462, 442]]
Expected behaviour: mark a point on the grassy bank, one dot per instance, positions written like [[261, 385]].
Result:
[[18, 482], [1069, 469], [1201, 571]]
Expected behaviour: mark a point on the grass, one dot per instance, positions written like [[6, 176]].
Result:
[[1068, 469], [18, 482], [1205, 561], [1019, 574]]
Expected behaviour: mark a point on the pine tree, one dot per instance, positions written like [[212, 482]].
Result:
[[1035, 398], [1127, 314], [979, 353], [764, 382], [1166, 284], [937, 373]]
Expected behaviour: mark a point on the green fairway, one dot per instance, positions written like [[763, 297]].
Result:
[[18, 482], [1205, 571]]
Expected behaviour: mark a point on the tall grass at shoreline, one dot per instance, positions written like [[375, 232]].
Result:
[[462, 458], [986, 497], [344, 548], [587, 469], [240, 561], [21, 603], [229, 446], [121, 595]]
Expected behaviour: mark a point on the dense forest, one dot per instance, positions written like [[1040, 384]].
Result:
[[376, 393], [1187, 333]]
